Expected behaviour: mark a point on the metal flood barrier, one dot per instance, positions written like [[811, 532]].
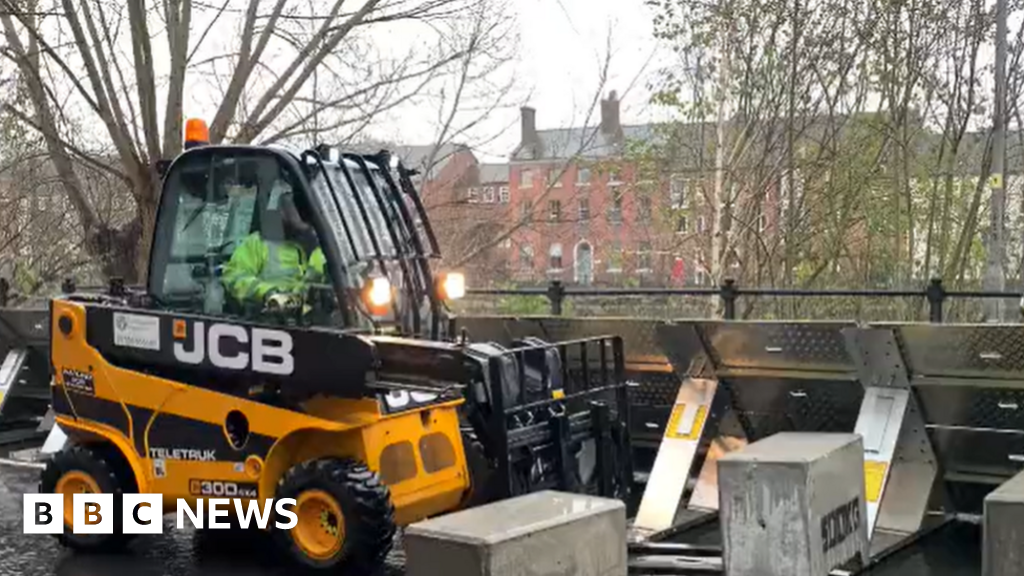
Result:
[[24, 375], [940, 408]]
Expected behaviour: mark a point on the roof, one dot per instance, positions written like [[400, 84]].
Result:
[[417, 156], [585, 142], [493, 173]]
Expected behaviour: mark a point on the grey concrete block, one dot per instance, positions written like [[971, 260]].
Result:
[[793, 505], [1003, 544], [543, 534]]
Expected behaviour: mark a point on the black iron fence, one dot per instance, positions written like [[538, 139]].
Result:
[[729, 293]]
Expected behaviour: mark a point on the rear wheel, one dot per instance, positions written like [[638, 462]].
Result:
[[345, 516], [87, 470]]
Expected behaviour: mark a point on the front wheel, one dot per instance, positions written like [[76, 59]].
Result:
[[345, 516], [81, 469]]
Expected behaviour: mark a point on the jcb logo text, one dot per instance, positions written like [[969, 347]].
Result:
[[236, 348]]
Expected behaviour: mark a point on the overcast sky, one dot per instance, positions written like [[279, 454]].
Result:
[[562, 48]]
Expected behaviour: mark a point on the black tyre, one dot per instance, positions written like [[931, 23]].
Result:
[[90, 470], [345, 516], [482, 473]]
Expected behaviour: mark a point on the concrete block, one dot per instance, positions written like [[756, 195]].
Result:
[[544, 534], [793, 505], [1003, 542]]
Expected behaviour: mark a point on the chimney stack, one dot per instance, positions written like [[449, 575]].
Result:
[[528, 125], [610, 124]]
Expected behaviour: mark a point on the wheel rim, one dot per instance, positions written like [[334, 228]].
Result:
[[320, 531], [71, 483]]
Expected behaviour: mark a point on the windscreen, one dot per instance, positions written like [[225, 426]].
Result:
[[376, 227]]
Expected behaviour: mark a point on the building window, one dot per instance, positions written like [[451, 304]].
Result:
[[473, 195], [506, 243], [643, 208], [701, 224], [488, 195], [644, 257], [554, 210], [677, 192], [762, 223], [583, 176], [584, 209], [526, 210], [615, 210], [681, 225], [526, 178], [555, 257], [700, 277], [615, 257], [504, 195], [583, 262], [614, 177], [526, 257], [555, 178]]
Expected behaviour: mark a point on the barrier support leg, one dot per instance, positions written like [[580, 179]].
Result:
[[900, 470]]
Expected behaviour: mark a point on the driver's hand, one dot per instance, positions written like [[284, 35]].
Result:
[[277, 301]]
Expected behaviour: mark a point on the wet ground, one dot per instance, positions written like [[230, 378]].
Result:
[[173, 553], [952, 551]]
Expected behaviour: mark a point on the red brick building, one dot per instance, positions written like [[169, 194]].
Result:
[[583, 205], [467, 201], [585, 215]]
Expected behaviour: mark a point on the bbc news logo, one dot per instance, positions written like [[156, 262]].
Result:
[[143, 513]]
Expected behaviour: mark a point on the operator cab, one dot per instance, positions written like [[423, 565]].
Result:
[[346, 233]]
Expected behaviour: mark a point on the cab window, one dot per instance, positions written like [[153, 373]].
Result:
[[234, 230]]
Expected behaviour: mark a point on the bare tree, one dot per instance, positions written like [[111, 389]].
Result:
[[127, 67]]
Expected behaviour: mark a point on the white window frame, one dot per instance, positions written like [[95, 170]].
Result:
[[504, 195], [686, 224], [555, 176], [616, 249], [526, 178], [554, 215], [556, 247], [527, 250], [650, 258], [679, 190], [616, 192], [576, 263]]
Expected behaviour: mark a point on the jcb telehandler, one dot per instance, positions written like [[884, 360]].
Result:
[[226, 376]]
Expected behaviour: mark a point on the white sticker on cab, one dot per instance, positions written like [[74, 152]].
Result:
[[136, 331]]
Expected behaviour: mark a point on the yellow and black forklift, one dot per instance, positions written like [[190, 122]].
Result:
[[346, 391]]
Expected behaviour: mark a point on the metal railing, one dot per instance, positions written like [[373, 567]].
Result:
[[729, 292]]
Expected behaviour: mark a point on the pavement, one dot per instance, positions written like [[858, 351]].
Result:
[[952, 551]]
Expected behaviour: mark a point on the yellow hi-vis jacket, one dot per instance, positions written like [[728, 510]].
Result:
[[258, 267]]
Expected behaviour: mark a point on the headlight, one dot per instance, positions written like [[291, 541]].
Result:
[[453, 286], [379, 293]]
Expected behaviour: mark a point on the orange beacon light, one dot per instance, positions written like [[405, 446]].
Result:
[[196, 133]]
